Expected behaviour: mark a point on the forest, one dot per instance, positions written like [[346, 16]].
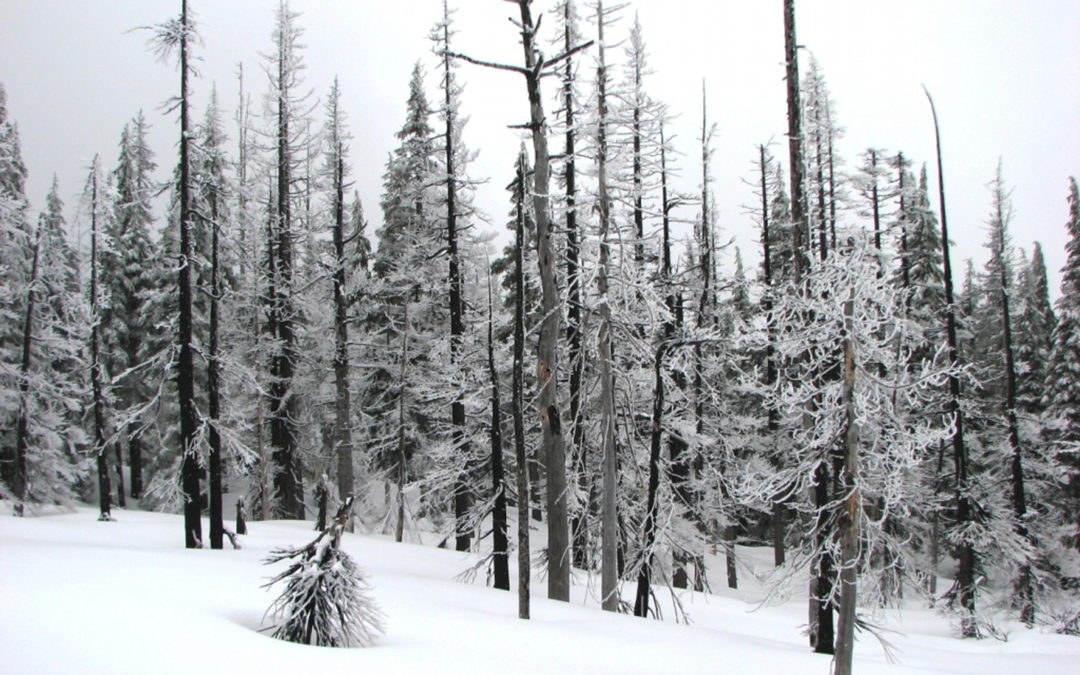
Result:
[[248, 342]]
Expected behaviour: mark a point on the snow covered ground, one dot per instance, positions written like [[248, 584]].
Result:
[[79, 596]]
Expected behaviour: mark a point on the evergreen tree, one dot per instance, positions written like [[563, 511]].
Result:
[[1063, 384], [129, 280]]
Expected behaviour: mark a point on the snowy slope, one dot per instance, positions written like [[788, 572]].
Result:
[[79, 596]]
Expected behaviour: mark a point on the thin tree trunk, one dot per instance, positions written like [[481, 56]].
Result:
[[609, 539], [1023, 588], [402, 467], [518, 393], [770, 352], [15, 469], [573, 313], [648, 536], [185, 370], [965, 552], [97, 388], [213, 383], [342, 403], [500, 548], [850, 508], [676, 445], [462, 490]]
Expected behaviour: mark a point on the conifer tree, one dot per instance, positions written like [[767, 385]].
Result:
[[129, 280], [1063, 385]]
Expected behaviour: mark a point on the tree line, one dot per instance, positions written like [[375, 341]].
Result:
[[846, 403]]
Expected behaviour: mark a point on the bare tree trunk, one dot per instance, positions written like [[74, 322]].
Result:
[[402, 467], [185, 369], [547, 362], [609, 583], [648, 536], [97, 388], [213, 384], [500, 549], [579, 522], [517, 394], [850, 508], [778, 514], [1023, 588], [343, 443], [463, 497], [547, 357], [965, 552]]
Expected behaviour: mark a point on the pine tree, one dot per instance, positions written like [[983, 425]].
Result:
[[1063, 386], [129, 280]]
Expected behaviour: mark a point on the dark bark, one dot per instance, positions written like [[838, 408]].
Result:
[[15, 467], [680, 468], [777, 520], [213, 381], [241, 516], [185, 368], [288, 482], [850, 509], [96, 385], [463, 497], [648, 530], [500, 546], [517, 394], [1023, 588], [121, 500], [135, 461], [965, 551], [578, 524], [343, 442]]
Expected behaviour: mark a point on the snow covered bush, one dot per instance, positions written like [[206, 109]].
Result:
[[325, 601]]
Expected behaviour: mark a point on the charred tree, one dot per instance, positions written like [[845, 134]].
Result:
[[964, 590]]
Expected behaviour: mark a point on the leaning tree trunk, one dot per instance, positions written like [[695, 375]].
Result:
[[965, 551]]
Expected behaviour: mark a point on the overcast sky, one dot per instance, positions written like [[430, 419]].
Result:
[[1005, 76]]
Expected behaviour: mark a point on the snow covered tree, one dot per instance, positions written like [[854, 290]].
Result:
[[284, 315], [45, 385], [128, 279], [1063, 384], [326, 600]]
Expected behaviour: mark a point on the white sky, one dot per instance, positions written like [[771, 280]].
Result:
[[1005, 76]]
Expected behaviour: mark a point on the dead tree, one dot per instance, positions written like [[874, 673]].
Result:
[[964, 589], [536, 67]]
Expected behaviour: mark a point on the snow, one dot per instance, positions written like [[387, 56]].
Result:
[[124, 597]]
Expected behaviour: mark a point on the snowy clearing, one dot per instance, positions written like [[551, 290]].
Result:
[[125, 597]]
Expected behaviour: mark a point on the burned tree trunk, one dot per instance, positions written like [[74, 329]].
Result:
[[965, 551]]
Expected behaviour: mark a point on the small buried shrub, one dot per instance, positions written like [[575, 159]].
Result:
[[325, 601]]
